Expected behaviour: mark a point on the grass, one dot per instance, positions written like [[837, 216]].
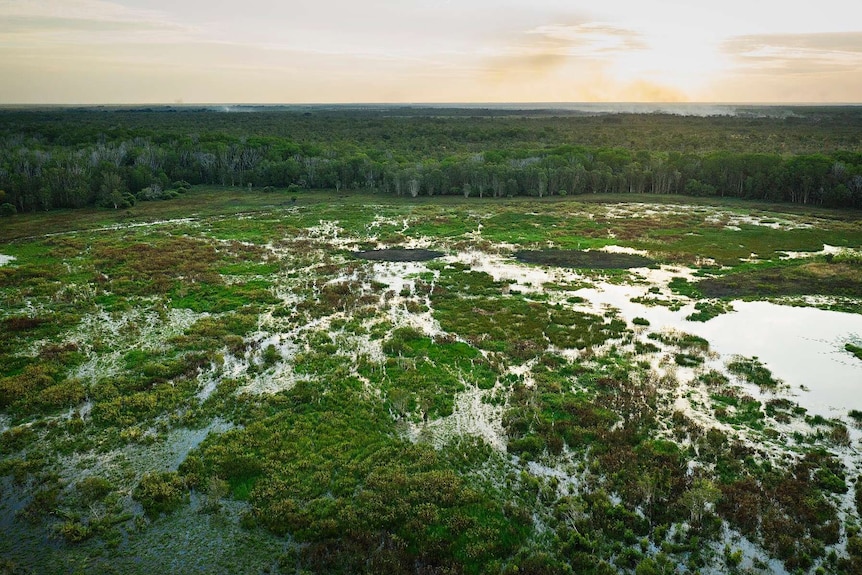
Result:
[[684, 341], [753, 371], [422, 377], [707, 310], [807, 278]]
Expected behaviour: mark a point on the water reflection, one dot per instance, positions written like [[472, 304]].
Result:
[[802, 346]]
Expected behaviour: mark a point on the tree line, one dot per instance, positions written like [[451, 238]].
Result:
[[117, 168]]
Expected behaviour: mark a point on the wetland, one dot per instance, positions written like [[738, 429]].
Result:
[[454, 345], [241, 380]]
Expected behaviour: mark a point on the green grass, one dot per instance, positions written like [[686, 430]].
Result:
[[707, 310], [753, 371], [219, 298]]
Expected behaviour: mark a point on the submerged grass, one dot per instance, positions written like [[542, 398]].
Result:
[[854, 349]]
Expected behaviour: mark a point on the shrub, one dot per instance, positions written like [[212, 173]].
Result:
[[73, 531], [93, 488], [847, 256], [160, 492], [150, 193], [271, 356], [699, 189], [7, 210]]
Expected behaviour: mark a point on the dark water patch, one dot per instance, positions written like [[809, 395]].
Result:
[[583, 259], [398, 255]]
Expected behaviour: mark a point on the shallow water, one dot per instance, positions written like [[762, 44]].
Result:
[[6, 259], [804, 347]]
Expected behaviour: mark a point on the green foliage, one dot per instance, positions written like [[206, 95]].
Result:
[[147, 269], [160, 493], [423, 375], [596, 455], [211, 298], [854, 349], [336, 478], [685, 341], [270, 356], [511, 324], [708, 310], [791, 508], [846, 256], [211, 332], [682, 286], [93, 488], [7, 209], [753, 371], [738, 411], [687, 359]]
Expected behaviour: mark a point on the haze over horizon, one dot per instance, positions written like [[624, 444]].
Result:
[[428, 51]]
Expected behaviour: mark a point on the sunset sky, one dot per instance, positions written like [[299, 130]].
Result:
[[292, 51]]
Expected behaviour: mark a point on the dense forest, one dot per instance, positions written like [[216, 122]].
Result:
[[67, 158]]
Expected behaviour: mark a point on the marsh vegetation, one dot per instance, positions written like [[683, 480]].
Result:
[[217, 383]]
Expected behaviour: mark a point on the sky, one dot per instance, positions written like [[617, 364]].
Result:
[[354, 51]]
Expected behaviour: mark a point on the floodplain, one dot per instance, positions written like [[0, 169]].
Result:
[[236, 381]]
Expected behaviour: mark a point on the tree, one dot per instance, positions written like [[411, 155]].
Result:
[[413, 184], [111, 190], [433, 181], [699, 499]]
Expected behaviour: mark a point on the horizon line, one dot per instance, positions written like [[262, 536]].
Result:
[[429, 104]]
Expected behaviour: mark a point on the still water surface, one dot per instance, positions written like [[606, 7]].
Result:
[[804, 347]]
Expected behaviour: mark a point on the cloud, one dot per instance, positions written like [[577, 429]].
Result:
[[37, 23], [592, 39], [815, 67], [54, 26], [546, 48], [94, 10], [797, 53], [583, 61]]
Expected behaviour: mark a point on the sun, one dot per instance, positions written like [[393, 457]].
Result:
[[684, 62]]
